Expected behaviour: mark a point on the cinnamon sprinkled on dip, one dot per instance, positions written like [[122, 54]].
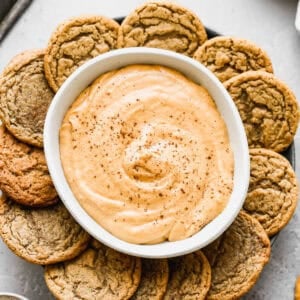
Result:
[[147, 154]]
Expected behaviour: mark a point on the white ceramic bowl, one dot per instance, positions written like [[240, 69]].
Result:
[[11, 296], [84, 76]]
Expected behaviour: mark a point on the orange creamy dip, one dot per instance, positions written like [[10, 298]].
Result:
[[147, 155]]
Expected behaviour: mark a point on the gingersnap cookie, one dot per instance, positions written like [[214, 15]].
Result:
[[41, 236], [76, 41], [97, 273], [241, 254], [25, 97], [297, 288], [211, 251], [189, 278], [268, 109], [154, 280], [228, 56], [24, 175], [273, 192], [162, 25]]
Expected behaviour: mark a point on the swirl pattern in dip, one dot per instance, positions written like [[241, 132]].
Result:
[[147, 155]]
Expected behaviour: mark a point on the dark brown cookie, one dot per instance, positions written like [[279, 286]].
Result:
[[238, 258], [76, 41], [25, 96], [24, 175], [227, 57], [189, 278], [162, 25], [154, 280], [98, 273], [273, 191], [268, 109], [41, 236]]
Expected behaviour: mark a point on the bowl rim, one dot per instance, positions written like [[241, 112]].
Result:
[[51, 147], [16, 296]]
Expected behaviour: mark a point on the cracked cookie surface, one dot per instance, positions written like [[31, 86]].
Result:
[[24, 175], [76, 41], [162, 25], [239, 257], [268, 109], [273, 192], [97, 273], [41, 236], [154, 280], [227, 57], [25, 97], [189, 277]]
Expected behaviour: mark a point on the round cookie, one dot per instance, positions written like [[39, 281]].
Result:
[[273, 192], [25, 97], [211, 251], [240, 256], [189, 278], [162, 25], [297, 288], [76, 41], [154, 280], [98, 273], [227, 57], [24, 175], [268, 109], [41, 236]]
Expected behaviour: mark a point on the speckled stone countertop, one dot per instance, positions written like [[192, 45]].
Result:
[[269, 23]]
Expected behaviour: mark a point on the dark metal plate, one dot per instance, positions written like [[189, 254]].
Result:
[[10, 12], [5, 6]]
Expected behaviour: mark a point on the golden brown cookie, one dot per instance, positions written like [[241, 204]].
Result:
[[297, 288], [24, 175], [228, 56], [41, 236], [268, 109], [25, 96], [154, 280], [211, 251], [76, 41], [273, 191], [190, 277], [162, 25], [98, 273], [239, 258]]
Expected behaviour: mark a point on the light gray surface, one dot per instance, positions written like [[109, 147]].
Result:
[[269, 23], [297, 21]]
